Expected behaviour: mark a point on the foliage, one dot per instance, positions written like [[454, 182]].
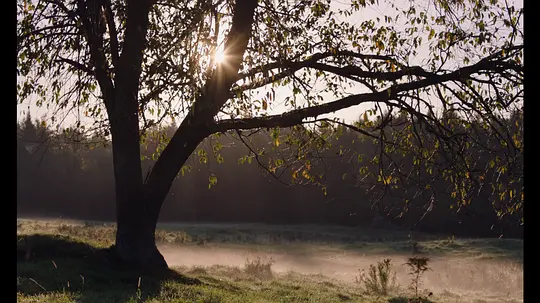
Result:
[[380, 279], [259, 268], [417, 267], [441, 83]]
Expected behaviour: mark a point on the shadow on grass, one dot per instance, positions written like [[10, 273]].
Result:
[[48, 264], [407, 300]]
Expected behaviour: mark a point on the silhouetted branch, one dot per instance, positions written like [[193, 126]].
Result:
[[109, 16], [297, 116], [77, 65]]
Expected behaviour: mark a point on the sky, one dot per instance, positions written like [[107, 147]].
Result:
[[277, 107]]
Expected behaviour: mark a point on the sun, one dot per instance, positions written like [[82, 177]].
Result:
[[219, 57]]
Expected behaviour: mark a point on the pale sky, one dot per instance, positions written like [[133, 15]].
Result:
[[276, 107]]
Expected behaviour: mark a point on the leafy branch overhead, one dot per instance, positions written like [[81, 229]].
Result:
[[440, 81]]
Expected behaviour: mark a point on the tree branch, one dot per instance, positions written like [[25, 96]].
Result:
[[294, 117], [193, 130], [95, 42], [77, 65], [294, 66], [71, 14], [20, 38], [350, 72], [257, 158], [356, 129], [112, 31], [314, 58], [129, 66], [215, 92]]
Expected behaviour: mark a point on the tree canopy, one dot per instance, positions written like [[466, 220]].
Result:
[[446, 76]]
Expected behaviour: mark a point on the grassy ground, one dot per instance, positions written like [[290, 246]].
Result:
[[62, 261]]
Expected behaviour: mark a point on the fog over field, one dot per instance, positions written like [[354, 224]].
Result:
[[461, 270], [477, 278]]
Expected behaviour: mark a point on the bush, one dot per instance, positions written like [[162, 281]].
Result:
[[380, 279], [417, 267], [259, 268]]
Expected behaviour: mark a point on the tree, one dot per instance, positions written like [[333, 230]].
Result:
[[202, 62]]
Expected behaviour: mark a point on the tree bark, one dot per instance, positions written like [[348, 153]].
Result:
[[138, 205], [184, 141], [135, 245], [135, 236]]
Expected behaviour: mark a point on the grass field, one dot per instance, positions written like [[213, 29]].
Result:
[[64, 261]]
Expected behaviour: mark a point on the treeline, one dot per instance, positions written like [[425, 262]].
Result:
[[63, 173]]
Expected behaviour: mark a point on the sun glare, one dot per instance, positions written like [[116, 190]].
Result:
[[219, 57]]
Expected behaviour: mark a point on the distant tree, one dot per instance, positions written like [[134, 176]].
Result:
[[200, 62]]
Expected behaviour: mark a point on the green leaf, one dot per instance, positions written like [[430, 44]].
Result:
[[431, 34], [212, 181], [184, 169]]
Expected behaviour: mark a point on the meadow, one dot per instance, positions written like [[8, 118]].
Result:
[[66, 261]]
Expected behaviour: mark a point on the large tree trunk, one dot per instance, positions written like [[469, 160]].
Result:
[[138, 205], [135, 236], [135, 245]]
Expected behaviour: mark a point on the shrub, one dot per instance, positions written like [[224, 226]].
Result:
[[259, 268], [417, 267], [380, 279]]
